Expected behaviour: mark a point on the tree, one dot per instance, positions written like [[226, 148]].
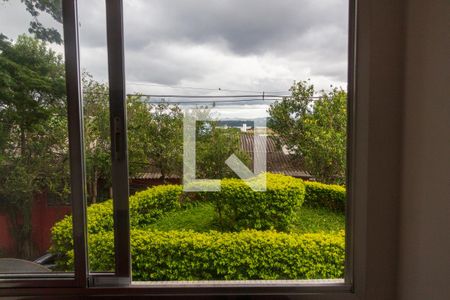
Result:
[[156, 133], [97, 142], [34, 148], [139, 116], [214, 147], [97, 136], [163, 142], [314, 131]]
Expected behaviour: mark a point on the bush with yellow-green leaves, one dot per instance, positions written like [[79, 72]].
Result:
[[187, 255], [248, 254], [329, 196], [240, 207]]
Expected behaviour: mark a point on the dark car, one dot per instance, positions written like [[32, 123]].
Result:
[[47, 260]]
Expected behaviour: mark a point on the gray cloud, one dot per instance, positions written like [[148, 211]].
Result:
[[15, 19], [238, 44], [247, 26], [163, 63]]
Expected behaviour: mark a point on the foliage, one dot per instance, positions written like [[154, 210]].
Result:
[[149, 205], [138, 118], [32, 102], [200, 217], [99, 221], [318, 219], [187, 255], [158, 208], [239, 207], [162, 143], [249, 254], [213, 147], [155, 138], [32, 82], [145, 207], [329, 196], [97, 135], [315, 132]]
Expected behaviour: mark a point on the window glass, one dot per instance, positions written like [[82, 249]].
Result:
[[34, 153], [97, 141], [237, 139], [236, 135]]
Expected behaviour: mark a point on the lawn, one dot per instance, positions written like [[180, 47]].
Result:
[[200, 218], [319, 219]]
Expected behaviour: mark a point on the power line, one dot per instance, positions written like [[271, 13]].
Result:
[[163, 98], [199, 88], [214, 101], [212, 97]]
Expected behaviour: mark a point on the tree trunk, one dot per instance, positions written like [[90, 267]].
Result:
[[21, 231], [89, 190], [26, 230], [94, 187], [22, 141]]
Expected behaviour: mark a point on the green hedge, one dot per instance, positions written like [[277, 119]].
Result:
[[328, 196], [100, 220], [149, 205], [239, 207], [145, 208], [250, 254]]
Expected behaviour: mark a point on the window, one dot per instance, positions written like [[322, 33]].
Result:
[[211, 96], [120, 168], [41, 159]]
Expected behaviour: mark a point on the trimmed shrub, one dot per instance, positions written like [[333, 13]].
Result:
[[325, 195], [250, 254], [145, 208], [62, 243], [239, 207], [100, 219], [149, 205]]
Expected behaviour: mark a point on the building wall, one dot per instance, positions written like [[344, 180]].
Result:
[[6, 242], [43, 218]]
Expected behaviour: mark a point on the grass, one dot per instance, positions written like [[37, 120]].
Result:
[[200, 218], [319, 219]]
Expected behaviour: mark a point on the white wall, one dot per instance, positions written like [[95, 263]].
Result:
[[424, 229]]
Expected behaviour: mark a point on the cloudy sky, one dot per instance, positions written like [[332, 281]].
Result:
[[198, 46]]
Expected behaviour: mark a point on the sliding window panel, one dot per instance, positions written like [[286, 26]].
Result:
[[119, 143], [237, 131], [117, 237], [96, 109], [42, 187]]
